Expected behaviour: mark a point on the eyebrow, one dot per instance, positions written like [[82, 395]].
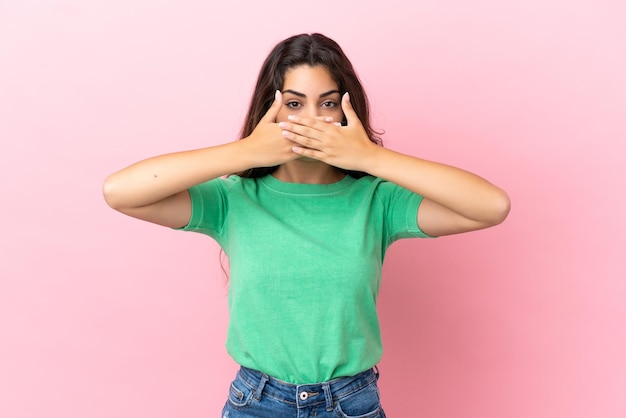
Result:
[[297, 93]]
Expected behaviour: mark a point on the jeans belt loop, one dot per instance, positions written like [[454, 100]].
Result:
[[259, 389], [328, 396]]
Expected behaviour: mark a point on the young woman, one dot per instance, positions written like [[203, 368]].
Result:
[[305, 222]]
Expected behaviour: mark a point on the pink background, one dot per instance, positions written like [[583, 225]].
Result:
[[105, 316]]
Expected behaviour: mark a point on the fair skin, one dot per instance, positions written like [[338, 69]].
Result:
[[300, 133]]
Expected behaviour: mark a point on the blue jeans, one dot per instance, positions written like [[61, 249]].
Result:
[[254, 394]]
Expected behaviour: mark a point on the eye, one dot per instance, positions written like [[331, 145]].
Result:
[[293, 105], [330, 104]]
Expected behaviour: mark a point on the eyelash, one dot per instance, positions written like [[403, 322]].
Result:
[[329, 104]]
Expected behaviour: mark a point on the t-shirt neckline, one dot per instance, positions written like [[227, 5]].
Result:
[[305, 188]]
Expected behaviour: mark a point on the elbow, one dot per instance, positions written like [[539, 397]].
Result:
[[501, 207], [109, 193]]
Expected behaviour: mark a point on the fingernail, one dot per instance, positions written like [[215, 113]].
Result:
[[276, 94], [291, 117], [282, 125], [328, 119]]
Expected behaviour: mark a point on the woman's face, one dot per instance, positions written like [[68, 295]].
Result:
[[310, 92]]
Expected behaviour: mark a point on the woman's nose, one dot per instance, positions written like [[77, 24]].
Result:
[[312, 111]]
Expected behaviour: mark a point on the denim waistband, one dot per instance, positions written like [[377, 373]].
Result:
[[306, 395]]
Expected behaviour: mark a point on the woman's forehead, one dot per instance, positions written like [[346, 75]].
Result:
[[306, 78]]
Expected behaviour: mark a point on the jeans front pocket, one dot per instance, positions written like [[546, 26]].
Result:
[[364, 403], [240, 395]]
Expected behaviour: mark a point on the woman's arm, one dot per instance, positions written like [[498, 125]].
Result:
[[455, 200], [155, 189]]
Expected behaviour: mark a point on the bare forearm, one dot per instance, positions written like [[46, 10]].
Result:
[[157, 178], [458, 190]]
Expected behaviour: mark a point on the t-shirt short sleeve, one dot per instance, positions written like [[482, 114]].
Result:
[[209, 206], [402, 206]]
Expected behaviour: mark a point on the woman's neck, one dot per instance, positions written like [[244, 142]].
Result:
[[308, 171]]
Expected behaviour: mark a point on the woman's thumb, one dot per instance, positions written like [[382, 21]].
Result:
[[348, 110], [272, 112]]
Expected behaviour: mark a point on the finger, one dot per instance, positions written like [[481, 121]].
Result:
[[307, 152], [313, 123], [348, 110], [272, 112], [302, 130], [304, 141]]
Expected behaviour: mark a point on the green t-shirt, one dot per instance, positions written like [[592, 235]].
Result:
[[305, 268]]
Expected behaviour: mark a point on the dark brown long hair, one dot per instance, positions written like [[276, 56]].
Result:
[[305, 49]]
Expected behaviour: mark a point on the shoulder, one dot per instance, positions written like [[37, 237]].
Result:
[[223, 184], [377, 185]]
